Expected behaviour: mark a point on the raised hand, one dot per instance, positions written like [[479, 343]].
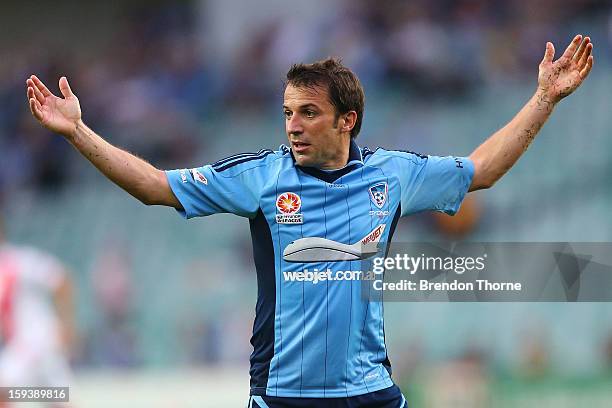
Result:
[[560, 78], [59, 115]]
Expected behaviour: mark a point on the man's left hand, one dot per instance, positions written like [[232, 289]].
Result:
[[560, 78]]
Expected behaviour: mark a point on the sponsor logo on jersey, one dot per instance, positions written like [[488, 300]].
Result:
[[374, 236], [378, 194], [317, 249], [183, 174], [289, 204], [199, 177]]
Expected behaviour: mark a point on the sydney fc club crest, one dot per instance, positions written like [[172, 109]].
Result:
[[289, 204], [378, 194]]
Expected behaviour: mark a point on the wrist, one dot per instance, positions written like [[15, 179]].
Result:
[[545, 96], [72, 134]]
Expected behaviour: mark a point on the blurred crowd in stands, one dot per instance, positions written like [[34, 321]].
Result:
[[156, 85], [151, 90]]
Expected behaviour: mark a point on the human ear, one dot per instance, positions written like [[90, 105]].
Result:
[[348, 121]]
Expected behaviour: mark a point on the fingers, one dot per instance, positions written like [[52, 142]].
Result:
[[585, 56], [585, 71], [581, 50], [36, 108], [35, 99], [41, 87], [34, 92], [65, 88], [571, 49], [549, 54]]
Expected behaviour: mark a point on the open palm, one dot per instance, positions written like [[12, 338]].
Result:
[[560, 78], [59, 115]]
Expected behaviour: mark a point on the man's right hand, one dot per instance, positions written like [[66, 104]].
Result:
[[63, 116], [59, 115]]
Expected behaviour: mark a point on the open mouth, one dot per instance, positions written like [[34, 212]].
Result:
[[299, 146]]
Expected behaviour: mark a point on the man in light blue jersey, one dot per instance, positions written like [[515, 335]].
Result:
[[316, 208]]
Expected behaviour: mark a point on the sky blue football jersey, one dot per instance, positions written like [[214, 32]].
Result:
[[319, 340]]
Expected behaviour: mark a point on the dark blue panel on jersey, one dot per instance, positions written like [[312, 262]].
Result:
[[263, 327], [387, 398], [387, 363]]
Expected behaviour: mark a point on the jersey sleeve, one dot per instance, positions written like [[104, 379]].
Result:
[[433, 182], [204, 191]]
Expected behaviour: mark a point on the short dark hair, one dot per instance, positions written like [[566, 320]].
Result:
[[343, 87]]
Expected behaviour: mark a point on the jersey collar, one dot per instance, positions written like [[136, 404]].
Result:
[[355, 160]]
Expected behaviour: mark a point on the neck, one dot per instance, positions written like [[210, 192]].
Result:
[[336, 164], [341, 157]]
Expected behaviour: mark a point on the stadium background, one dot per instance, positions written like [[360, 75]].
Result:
[[164, 307]]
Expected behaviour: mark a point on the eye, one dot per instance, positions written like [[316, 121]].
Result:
[[310, 114], [287, 114]]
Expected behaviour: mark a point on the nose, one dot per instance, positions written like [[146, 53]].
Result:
[[294, 125]]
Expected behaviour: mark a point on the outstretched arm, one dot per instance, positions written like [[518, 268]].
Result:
[[556, 80], [63, 116]]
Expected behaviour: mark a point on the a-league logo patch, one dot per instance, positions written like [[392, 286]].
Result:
[[378, 194], [289, 204]]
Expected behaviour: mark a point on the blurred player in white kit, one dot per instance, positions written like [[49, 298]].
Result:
[[35, 318]]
